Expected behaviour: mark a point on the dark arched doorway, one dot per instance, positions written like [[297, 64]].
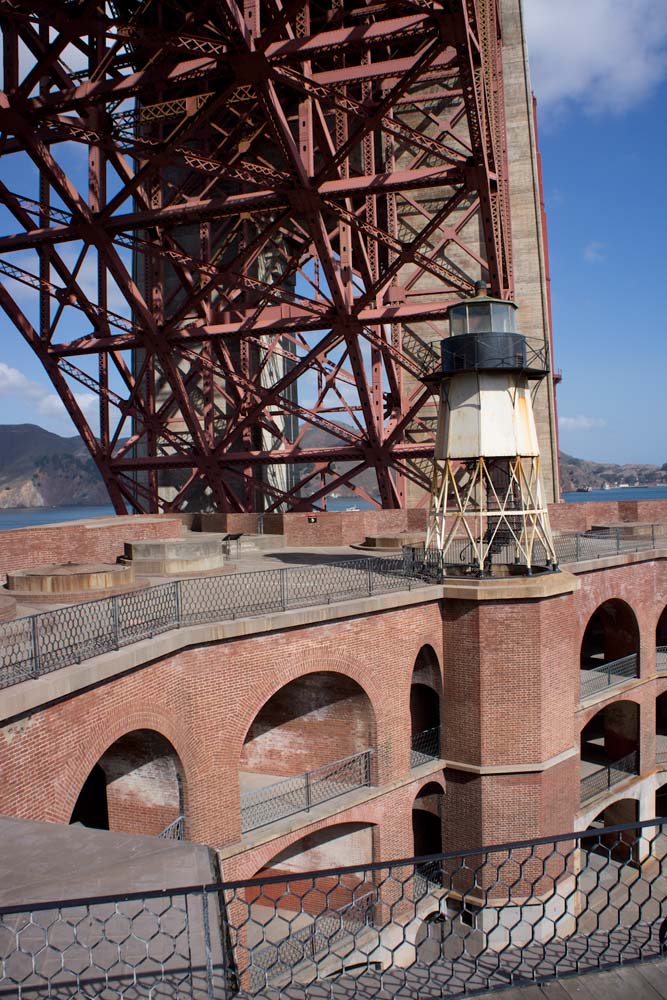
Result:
[[609, 748], [135, 787], [609, 648], [425, 696]]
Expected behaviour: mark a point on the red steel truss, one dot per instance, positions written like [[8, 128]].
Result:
[[238, 225]]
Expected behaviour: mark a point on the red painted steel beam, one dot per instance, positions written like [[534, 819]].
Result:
[[277, 208]]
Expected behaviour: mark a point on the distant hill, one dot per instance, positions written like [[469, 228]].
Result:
[[578, 472], [42, 469]]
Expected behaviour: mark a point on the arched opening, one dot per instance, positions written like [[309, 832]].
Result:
[[661, 729], [135, 787], [610, 647], [427, 810], [311, 742], [609, 748], [621, 846], [91, 807], [337, 846], [313, 910], [427, 820], [425, 695], [661, 643]]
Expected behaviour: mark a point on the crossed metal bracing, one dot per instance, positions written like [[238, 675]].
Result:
[[238, 225]]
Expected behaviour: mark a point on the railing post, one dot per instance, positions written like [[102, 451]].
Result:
[[177, 598], [652, 536], [307, 784], [114, 617], [618, 541], [36, 654], [369, 570], [207, 946], [283, 589], [576, 547]]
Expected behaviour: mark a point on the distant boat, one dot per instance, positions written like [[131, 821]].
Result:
[[351, 508], [584, 489]]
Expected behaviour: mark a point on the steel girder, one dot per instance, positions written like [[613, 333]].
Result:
[[239, 227]]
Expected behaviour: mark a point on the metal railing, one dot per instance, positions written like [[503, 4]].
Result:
[[574, 548], [303, 791], [174, 830], [661, 659], [611, 774], [425, 746], [476, 921], [607, 542], [41, 643], [607, 675], [661, 755]]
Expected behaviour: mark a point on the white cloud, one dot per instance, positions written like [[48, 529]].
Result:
[[46, 404], [51, 406], [595, 252], [580, 423], [13, 381], [604, 54]]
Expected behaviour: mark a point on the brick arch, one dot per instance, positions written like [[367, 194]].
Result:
[[318, 834], [433, 661], [309, 662], [661, 627], [583, 718], [591, 814], [246, 866], [69, 781], [436, 782], [625, 639]]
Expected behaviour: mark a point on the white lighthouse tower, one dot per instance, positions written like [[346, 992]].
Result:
[[487, 507]]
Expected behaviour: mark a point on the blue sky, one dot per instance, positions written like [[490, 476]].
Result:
[[602, 95], [599, 70]]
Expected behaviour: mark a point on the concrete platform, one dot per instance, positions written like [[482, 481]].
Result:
[[48, 862], [173, 556]]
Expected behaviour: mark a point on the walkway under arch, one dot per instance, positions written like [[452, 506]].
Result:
[[609, 647]]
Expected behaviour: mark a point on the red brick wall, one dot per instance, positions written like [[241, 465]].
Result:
[[203, 701], [509, 680], [97, 540], [568, 517], [310, 722], [341, 527]]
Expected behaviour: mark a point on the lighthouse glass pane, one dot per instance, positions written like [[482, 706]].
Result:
[[457, 320], [479, 319], [502, 318]]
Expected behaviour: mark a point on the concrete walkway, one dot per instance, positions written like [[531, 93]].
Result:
[[643, 981]]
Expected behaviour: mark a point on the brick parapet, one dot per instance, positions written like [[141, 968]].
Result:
[[86, 541]]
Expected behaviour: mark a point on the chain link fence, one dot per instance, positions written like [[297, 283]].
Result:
[[38, 644], [444, 926]]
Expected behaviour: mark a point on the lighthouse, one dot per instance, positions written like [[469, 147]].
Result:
[[487, 512]]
